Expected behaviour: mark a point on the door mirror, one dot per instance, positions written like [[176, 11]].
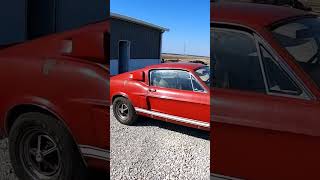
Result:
[[88, 46], [137, 75]]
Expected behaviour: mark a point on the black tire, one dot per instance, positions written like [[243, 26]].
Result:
[[129, 116], [64, 161]]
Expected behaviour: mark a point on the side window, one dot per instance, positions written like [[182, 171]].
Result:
[[277, 79], [184, 81], [163, 78], [237, 64], [196, 86], [175, 79]]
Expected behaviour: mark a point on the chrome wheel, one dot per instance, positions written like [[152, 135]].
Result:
[[122, 110], [40, 155]]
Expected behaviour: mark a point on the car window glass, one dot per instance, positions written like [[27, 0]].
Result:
[[277, 79], [237, 64], [184, 81], [175, 79], [163, 78], [204, 74], [196, 85], [301, 38], [302, 48]]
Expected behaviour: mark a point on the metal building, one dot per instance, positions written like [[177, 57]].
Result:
[[28, 19], [133, 43]]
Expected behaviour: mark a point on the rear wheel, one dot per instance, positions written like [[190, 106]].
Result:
[[124, 111], [41, 148]]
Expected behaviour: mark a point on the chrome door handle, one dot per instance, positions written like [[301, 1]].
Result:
[[152, 90]]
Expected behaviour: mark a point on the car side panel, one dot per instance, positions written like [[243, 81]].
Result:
[[187, 104], [16, 86], [85, 104], [265, 132], [74, 90], [255, 153], [135, 91]]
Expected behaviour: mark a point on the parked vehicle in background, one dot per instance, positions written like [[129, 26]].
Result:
[[54, 104], [265, 94], [173, 92]]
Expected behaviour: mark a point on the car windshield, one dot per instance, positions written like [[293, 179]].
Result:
[[204, 74], [301, 38]]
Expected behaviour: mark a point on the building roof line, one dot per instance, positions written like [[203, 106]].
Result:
[[137, 21]]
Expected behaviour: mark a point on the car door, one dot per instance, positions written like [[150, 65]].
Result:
[[257, 100], [178, 93]]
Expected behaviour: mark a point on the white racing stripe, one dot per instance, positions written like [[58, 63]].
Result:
[[222, 177], [175, 118], [94, 152]]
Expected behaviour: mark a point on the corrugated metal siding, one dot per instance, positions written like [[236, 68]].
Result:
[[76, 13], [13, 21], [144, 41], [133, 64], [315, 4], [70, 14]]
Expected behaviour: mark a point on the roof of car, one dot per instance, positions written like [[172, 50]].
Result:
[[187, 66], [252, 15]]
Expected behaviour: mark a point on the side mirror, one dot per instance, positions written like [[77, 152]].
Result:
[[88, 46], [137, 75]]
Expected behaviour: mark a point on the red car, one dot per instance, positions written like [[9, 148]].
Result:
[[54, 104], [173, 92], [266, 96]]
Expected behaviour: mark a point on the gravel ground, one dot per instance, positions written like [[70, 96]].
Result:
[[154, 149], [6, 171], [149, 150]]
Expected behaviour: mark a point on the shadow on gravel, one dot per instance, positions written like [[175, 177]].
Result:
[[144, 121]]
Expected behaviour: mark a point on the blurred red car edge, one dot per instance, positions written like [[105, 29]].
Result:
[[132, 94], [264, 136], [54, 89]]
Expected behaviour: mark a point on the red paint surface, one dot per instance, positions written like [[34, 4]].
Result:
[[187, 104], [258, 136], [73, 86]]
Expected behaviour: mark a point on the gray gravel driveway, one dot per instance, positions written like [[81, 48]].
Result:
[[149, 150], [6, 171], [153, 149]]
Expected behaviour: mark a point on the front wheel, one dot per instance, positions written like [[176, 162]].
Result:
[[124, 111], [41, 148]]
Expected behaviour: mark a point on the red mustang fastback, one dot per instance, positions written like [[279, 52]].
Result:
[[265, 95], [55, 104], [173, 92]]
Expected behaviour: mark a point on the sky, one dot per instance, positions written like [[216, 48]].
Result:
[[188, 21]]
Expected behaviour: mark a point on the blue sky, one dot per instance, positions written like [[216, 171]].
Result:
[[188, 21]]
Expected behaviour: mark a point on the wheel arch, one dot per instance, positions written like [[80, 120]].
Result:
[[119, 95], [16, 111]]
